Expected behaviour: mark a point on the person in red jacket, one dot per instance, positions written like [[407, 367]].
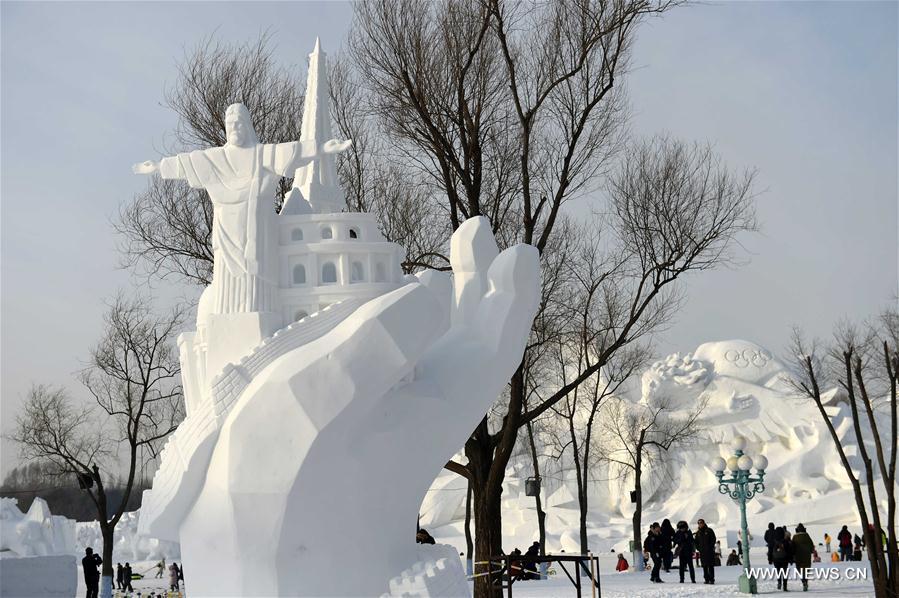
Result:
[[844, 538], [622, 565]]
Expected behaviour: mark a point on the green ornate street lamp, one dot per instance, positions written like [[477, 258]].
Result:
[[741, 487]]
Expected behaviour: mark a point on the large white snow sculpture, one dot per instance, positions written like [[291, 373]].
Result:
[[306, 452]]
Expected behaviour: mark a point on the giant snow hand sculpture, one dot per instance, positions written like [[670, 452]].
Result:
[[318, 471]]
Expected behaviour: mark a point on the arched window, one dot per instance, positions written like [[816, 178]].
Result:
[[354, 234], [329, 273], [357, 273], [296, 234], [380, 272], [299, 274], [327, 233], [300, 315]]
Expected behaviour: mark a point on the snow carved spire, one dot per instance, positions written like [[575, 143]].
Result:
[[317, 181]]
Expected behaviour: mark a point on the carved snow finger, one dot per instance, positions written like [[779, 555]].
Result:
[[472, 250]]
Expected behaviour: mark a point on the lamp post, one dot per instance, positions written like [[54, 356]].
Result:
[[741, 487]]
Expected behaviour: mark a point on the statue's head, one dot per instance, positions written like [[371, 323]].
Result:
[[238, 126]]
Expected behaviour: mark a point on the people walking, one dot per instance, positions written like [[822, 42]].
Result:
[[684, 547], [769, 542], [89, 564], [160, 568], [803, 547], [126, 578], [119, 576], [173, 576], [653, 546], [705, 542], [844, 540], [782, 556], [667, 536]]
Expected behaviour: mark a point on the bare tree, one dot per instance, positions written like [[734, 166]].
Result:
[[376, 181], [515, 112], [134, 377], [638, 437], [864, 363], [577, 417]]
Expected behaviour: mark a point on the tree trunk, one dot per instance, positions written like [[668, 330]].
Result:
[[488, 457], [469, 545], [488, 543], [638, 509], [487, 540], [107, 531], [541, 516]]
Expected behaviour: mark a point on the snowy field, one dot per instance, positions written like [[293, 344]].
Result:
[[613, 585]]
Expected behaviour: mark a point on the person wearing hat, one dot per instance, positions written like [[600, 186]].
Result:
[[683, 540], [803, 547], [653, 545], [705, 541]]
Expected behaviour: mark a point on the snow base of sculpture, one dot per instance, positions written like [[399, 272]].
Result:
[[437, 573], [38, 576]]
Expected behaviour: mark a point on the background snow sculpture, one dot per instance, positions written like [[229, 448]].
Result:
[[36, 551], [744, 385], [35, 533]]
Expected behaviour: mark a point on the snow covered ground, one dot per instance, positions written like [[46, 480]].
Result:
[[617, 585]]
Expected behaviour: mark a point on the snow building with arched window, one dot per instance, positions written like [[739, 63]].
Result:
[[328, 255]]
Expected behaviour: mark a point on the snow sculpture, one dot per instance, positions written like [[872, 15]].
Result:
[[306, 451], [35, 533], [128, 543], [36, 551], [743, 383]]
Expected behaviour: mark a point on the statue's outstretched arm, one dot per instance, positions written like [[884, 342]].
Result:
[[168, 168], [147, 167], [285, 158]]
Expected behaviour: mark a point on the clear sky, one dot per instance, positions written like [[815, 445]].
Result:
[[806, 92]]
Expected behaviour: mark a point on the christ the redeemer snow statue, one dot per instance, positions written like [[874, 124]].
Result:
[[305, 455], [240, 178]]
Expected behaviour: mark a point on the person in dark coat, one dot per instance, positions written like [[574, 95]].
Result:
[[653, 545], [769, 541], [127, 578], [89, 563], [705, 543], [119, 572], [782, 556], [844, 540], [684, 546], [423, 537], [803, 547], [530, 566], [667, 536]]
